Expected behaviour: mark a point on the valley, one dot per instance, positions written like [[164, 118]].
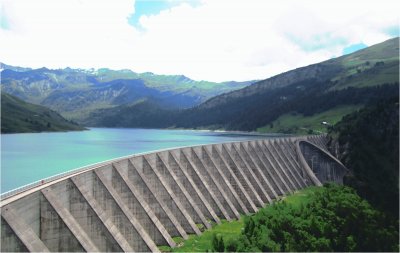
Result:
[[296, 101], [325, 91], [199, 126], [75, 93]]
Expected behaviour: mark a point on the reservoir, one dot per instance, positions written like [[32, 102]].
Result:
[[29, 157]]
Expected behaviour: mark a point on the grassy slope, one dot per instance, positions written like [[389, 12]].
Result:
[[364, 68], [368, 73], [18, 116], [301, 197], [231, 229], [368, 67], [297, 123], [203, 242]]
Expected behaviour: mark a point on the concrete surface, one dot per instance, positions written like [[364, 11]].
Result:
[[142, 201]]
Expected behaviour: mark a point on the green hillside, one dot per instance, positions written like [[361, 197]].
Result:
[[232, 229], [368, 67], [314, 219], [299, 100], [296, 101], [18, 116], [293, 102], [300, 124]]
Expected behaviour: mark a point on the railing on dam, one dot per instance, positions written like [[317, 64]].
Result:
[[68, 173], [58, 176], [142, 201]]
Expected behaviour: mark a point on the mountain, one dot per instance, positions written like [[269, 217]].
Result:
[[17, 69], [296, 101], [145, 113], [299, 100], [18, 116], [371, 66], [75, 93]]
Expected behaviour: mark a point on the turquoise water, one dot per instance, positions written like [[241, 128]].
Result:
[[26, 158]]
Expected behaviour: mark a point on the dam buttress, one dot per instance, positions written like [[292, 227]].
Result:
[[140, 202]]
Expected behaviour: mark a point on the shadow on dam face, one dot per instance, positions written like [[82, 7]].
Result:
[[323, 165], [139, 202]]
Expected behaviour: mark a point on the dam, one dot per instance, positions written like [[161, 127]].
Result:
[[140, 202]]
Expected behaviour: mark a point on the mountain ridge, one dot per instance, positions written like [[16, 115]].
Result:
[[77, 92], [331, 66], [349, 81], [120, 99]]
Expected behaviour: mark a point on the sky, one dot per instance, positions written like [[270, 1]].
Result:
[[214, 40]]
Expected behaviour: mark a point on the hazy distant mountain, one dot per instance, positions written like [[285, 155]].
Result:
[[18, 69], [18, 116], [295, 101], [75, 93]]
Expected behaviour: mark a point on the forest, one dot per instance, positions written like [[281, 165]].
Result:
[[367, 142], [334, 219], [243, 113]]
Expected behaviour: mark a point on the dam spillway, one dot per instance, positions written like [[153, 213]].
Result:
[[140, 202]]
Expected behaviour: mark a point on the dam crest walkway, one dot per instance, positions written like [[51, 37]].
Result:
[[140, 202]]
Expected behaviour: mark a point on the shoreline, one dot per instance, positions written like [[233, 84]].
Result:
[[236, 132]]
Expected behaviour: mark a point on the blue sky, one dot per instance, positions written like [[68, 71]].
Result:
[[154, 7], [3, 20], [354, 47], [393, 31], [144, 8], [216, 40]]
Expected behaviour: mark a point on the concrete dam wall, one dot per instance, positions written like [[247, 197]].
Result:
[[140, 202]]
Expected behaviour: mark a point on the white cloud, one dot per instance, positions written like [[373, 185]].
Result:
[[66, 32], [216, 40]]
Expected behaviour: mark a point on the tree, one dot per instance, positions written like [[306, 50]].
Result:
[[335, 219]]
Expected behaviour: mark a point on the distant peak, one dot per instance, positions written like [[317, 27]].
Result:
[[183, 78], [43, 69], [148, 73]]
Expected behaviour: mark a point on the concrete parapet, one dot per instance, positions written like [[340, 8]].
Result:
[[142, 201]]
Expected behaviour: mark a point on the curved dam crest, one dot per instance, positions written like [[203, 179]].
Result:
[[139, 202]]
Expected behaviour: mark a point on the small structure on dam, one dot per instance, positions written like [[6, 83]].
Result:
[[139, 202]]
